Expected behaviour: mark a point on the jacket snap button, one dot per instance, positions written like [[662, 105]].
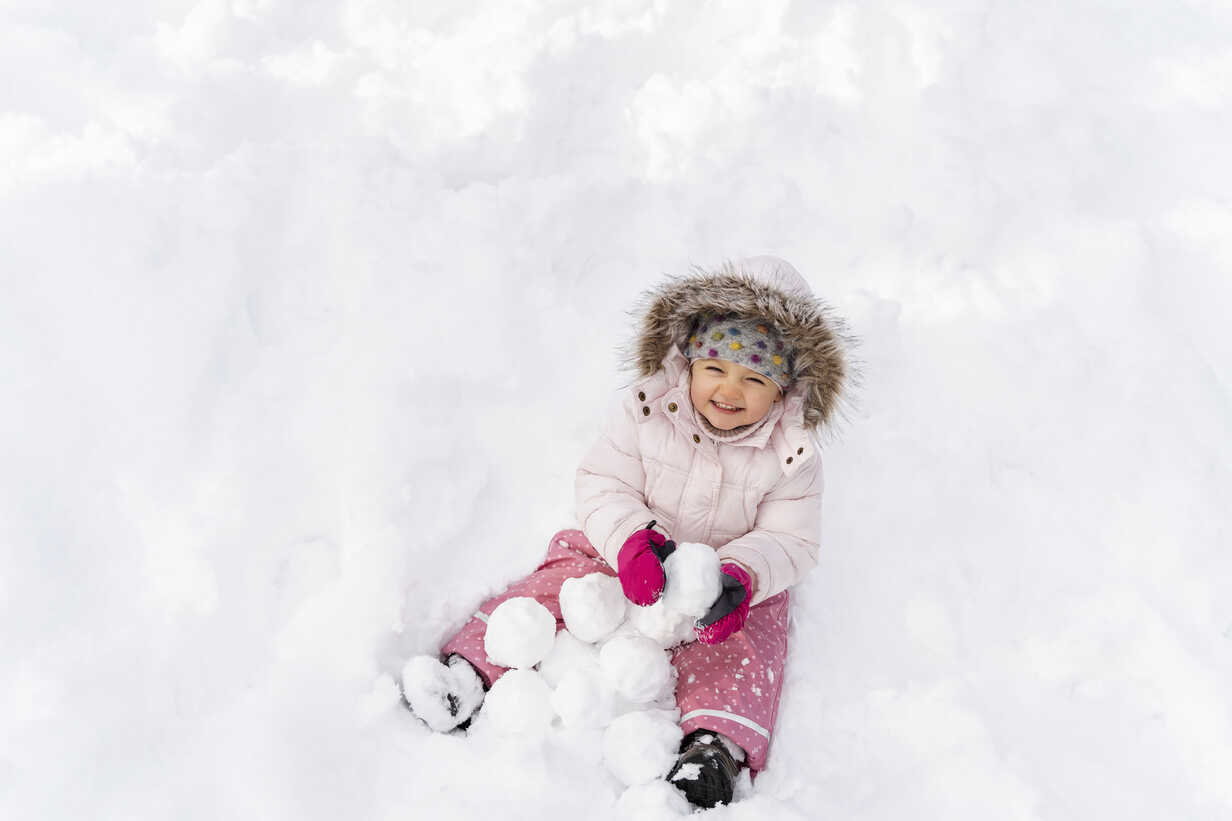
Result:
[[799, 451], [671, 407], [645, 411], [641, 396], [696, 438], [789, 460]]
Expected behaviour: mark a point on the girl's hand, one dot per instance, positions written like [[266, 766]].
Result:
[[639, 565], [729, 611]]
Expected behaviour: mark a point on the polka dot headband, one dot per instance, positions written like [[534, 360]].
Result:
[[749, 342]]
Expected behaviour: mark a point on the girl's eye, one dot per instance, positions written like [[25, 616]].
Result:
[[714, 368], [755, 379]]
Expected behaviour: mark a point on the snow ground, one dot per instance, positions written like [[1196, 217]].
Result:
[[310, 309]]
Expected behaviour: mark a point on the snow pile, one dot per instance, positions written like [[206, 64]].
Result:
[[608, 671]]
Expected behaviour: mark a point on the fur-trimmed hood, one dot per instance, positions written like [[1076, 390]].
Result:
[[764, 288]]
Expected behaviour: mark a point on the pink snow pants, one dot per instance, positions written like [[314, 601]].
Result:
[[732, 688]]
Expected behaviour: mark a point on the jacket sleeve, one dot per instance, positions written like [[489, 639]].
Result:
[[782, 546], [610, 487]]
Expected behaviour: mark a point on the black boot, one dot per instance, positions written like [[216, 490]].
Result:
[[705, 771], [443, 694]]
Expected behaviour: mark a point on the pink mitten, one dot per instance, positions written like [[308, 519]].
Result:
[[730, 609], [639, 565]]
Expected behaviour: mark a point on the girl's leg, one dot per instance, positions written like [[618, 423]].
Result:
[[569, 555], [733, 688]]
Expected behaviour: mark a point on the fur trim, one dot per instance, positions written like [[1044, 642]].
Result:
[[820, 366]]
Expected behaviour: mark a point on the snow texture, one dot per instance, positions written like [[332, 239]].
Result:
[[663, 625], [656, 799], [637, 668], [687, 772], [593, 606], [568, 654], [693, 580], [641, 746], [583, 699], [521, 631], [519, 703], [309, 311]]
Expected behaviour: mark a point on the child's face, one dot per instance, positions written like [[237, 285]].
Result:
[[730, 395]]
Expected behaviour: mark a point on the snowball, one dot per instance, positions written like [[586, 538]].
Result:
[[582, 700], [427, 686], [593, 605], [664, 626], [693, 579], [641, 747], [636, 667], [520, 632], [519, 703], [655, 799], [568, 653]]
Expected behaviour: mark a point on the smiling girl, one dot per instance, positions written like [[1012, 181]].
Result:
[[712, 444]]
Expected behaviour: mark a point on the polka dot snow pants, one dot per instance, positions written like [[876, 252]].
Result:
[[732, 688]]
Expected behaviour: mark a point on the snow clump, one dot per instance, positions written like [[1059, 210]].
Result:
[[593, 606], [694, 580], [642, 746], [519, 703], [568, 653], [520, 632], [662, 625], [637, 668], [654, 799], [583, 700]]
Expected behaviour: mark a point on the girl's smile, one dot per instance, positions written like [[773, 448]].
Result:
[[729, 395]]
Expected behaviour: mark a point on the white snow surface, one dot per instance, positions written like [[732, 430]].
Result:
[[310, 310], [593, 606], [521, 631], [653, 800]]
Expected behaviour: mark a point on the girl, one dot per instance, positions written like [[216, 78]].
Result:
[[713, 444]]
